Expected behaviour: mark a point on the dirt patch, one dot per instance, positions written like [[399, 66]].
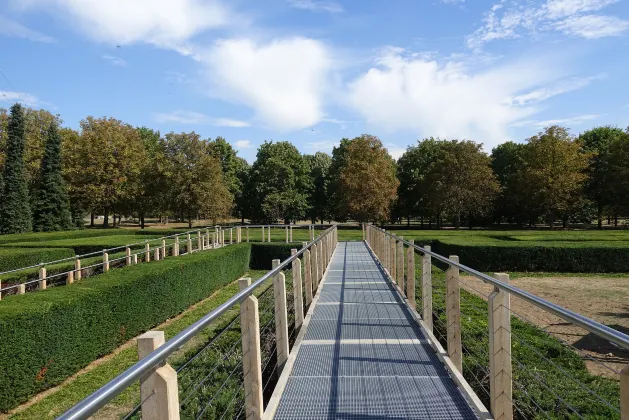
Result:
[[599, 298]]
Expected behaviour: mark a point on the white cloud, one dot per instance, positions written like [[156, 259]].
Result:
[[243, 144], [594, 26], [282, 81], [516, 18], [560, 121], [116, 61], [560, 88], [165, 23], [447, 100], [322, 145], [316, 6], [21, 97], [452, 1], [17, 30], [191, 117], [395, 151]]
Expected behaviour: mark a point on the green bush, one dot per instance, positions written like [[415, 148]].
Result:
[[86, 245], [48, 336], [12, 258], [68, 234], [263, 254]]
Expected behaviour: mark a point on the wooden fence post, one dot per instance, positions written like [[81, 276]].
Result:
[[281, 318], [392, 259], [308, 277], [231, 236], [70, 278], [135, 259], [163, 249], [189, 244], [291, 233], [127, 253], [315, 267], [262, 233], [400, 264], [105, 261], [410, 275], [252, 358], [286, 232], [453, 314], [297, 291], [156, 253], [247, 233], [42, 278], [147, 252], [268, 234], [500, 370], [320, 262], [427, 289], [77, 270], [158, 388], [199, 241], [21, 289], [176, 247]]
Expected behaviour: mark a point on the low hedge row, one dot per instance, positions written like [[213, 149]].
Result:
[[523, 257], [68, 234], [12, 258], [48, 336]]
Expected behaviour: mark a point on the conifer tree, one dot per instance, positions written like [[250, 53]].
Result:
[[51, 205], [15, 211]]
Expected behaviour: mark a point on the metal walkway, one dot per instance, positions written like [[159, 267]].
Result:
[[363, 356]]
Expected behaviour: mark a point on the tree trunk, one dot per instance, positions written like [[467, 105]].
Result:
[[552, 219], [421, 222], [457, 221], [141, 220], [469, 221], [599, 214], [106, 216], [609, 220], [564, 221], [92, 219], [616, 220], [115, 219], [189, 221]]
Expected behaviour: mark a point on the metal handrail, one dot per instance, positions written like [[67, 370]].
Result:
[[603, 331], [107, 392]]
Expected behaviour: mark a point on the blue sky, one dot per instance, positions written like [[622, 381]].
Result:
[[312, 72]]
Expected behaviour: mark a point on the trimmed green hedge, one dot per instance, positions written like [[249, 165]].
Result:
[[12, 258], [68, 234], [48, 336], [263, 254]]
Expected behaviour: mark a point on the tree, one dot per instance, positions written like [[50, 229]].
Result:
[[152, 189], [197, 179], [618, 170], [507, 162], [279, 183], [15, 211], [598, 185], [78, 202], [242, 203], [319, 200], [366, 185], [554, 171], [460, 181], [51, 205], [234, 171]]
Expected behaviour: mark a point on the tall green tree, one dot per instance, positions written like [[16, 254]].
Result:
[[554, 172], [51, 205], [152, 189], [15, 210], [280, 183], [319, 200], [601, 179], [507, 162], [366, 186], [235, 172]]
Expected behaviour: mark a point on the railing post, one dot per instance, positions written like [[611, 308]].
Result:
[[189, 245], [231, 236], [324, 255], [400, 263], [392, 259], [42, 278], [163, 248], [281, 318], [624, 393], [297, 291], [315, 266], [291, 233], [156, 253], [453, 314], [320, 262], [158, 388], [307, 277], [70, 278], [199, 240], [500, 370], [427, 289], [247, 233], [262, 233], [268, 234], [21, 289], [363, 228], [147, 252], [176, 247], [127, 253], [77, 269], [252, 358], [286, 232], [105, 261], [410, 275], [135, 259]]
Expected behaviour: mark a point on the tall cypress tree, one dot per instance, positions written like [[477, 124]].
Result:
[[15, 211], [51, 205]]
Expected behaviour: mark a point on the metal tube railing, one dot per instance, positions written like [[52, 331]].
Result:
[[106, 393], [603, 331]]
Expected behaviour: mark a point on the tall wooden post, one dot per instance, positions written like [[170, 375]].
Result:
[[315, 266], [127, 253], [308, 277], [453, 314], [252, 358], [392, 258], [500, 370], [297, 290], [163, 248], [286, 232], [291, 233], [410, 275], [189, 245], [400, 264], [320, 262], [247, 233], [147, 252], [156, 253], [262, 233], [77, 270], [281, 318], [176, 247], [158, 388], [199, 241], [42, 278], [231, 236], [427, 289], [268, 234], [105, 261]]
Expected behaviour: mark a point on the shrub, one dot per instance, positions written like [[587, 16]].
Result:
[[69, 234], [12, 258], [86, 245], [49, 335]]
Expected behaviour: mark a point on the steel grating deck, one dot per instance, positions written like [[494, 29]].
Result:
[[363, 356]]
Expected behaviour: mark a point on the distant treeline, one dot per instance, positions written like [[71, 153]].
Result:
[[52, 177]]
